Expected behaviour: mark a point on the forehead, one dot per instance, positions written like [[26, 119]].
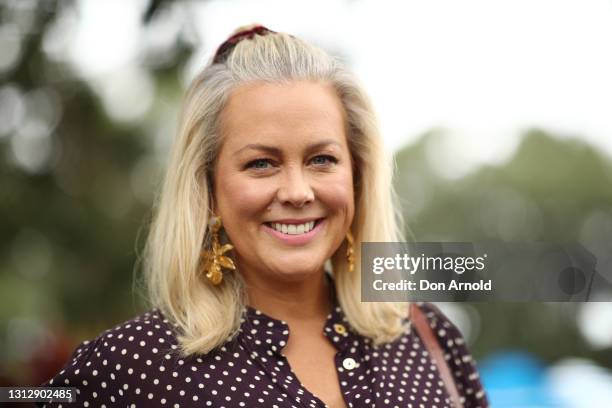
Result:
[[294, 112]]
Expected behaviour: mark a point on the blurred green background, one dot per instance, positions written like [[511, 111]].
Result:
[[78, 177]]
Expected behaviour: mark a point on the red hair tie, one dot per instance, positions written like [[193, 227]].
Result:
[[229, 44]]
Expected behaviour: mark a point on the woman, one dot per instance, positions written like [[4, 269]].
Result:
[[276, 175]]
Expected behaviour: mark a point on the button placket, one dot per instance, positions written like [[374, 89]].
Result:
[[286, 379]]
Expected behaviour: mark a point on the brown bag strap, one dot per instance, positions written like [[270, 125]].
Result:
[[433, 347]]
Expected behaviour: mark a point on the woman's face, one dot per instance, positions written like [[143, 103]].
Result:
[[283, 182]]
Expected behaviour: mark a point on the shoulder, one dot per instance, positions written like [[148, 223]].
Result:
[[102, 365], [449, 337], [440, 323], [461, 363]]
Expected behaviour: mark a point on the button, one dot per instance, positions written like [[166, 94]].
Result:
[[339, 328], [349, 363]]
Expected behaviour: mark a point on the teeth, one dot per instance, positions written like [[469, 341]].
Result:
[[293, 229]]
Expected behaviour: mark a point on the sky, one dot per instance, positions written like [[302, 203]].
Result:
[[483, 70]]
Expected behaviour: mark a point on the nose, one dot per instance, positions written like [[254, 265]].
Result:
[[295, 188]]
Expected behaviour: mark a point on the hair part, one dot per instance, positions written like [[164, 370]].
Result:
[[207, 316]]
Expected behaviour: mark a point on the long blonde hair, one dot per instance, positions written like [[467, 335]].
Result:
[[207, 316]]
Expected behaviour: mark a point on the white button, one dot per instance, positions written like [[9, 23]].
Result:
[[349, 363]]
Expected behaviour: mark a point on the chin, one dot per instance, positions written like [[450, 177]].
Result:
[[291, 272]]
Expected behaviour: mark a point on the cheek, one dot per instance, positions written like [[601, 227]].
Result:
[[338, 193], [239, 197]]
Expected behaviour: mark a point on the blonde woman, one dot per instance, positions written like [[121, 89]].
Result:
[[276, 176]]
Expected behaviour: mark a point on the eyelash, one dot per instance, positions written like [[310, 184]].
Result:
[[251, 164]]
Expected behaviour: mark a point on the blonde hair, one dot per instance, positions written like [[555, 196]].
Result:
[[207, 316]]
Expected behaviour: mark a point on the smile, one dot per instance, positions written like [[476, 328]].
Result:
[[295, 234], [293, 229]]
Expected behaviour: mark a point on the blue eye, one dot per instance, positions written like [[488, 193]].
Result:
[[258, 164], [323, 159]]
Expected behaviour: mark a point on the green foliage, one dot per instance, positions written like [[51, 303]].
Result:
[[76, 191], [549, 190]]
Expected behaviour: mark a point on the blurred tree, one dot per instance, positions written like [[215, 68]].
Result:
[[77, 184], [547, 192]]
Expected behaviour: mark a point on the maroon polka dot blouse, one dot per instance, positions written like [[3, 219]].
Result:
[[136, 364]]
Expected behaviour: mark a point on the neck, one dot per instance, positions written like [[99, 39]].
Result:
[[302, 300]]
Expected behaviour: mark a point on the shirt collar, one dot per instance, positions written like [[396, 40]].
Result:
[[266, 336]]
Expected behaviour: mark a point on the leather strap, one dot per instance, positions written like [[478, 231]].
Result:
[[433, 347]]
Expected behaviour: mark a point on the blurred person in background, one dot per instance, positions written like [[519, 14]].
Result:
[[276, 175]]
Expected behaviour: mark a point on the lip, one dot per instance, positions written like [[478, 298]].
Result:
[[295, 221], [296, 240]]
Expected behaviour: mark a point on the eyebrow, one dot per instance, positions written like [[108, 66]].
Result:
[[277, 151]]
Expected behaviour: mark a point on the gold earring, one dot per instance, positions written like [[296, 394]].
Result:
[[350, 255], [213, 258]]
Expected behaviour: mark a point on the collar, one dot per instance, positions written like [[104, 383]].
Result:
[[265, 336]]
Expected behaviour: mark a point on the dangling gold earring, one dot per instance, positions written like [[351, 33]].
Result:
[[350, 255], [213, 258]]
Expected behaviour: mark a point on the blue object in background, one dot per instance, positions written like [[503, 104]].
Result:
[[514, 379]]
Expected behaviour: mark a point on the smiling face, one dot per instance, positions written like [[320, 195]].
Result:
[[283, 182]]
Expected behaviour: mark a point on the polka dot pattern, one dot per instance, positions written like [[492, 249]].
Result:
[[136, 364]]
